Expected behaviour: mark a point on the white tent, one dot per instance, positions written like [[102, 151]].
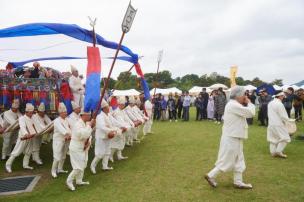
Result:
[[250, 87], [165, 91], [197, 89], [217, 86], [276, 87], [130, 92], [174, 90], [285, 87]]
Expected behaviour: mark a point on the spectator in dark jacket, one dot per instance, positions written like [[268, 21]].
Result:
[[205, 97], [287, 101], [157, 107], [198, 103], [180, 106], [171, 108], [163, 108], [219, 103], [264, 100]]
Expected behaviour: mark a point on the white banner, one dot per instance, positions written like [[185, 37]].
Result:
[[128, 19]]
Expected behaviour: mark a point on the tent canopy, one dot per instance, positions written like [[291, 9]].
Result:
[[277, 88], [165, 91], [217, 86], [250, 87], [198, 89], [130, 92]]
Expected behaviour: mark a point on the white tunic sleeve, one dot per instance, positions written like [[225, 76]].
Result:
[[23, 130], [59, 126], [8, 117], [246, 112], [84, 133], [102, 125]]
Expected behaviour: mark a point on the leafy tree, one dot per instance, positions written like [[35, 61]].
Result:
[[278, 82], [111, 84], [126, 80], [257, 82]]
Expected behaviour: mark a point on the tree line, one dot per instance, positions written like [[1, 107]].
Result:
[[127, 80]]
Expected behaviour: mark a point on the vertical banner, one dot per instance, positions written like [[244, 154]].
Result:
[[92, 88], [144, 83], [233, 72], [128, 19]]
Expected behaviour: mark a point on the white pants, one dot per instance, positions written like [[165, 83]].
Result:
[[37, 140], [22, 146], [277, 148], [60, 149], [77, 175], [8, 140], [237, 176], [230, 156], [79, 159], [147, 127], [136, 132]]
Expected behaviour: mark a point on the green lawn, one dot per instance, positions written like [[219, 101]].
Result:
[[169, 166]]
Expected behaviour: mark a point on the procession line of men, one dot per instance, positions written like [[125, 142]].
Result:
[[74, 134], [235, 131], [118, 128]]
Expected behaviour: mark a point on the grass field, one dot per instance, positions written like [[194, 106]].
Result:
[[169, 165]]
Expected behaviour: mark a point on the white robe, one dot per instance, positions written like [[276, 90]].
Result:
[[24, 146], [235, 130], [119, 141], [80, 133], [40, 124], [60, 146], [148, 124], [134, 115], [9, 118], [277, 115], [77, 89], [102, 142], [73, 118]]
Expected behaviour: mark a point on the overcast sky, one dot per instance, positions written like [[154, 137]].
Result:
[[265, 38]]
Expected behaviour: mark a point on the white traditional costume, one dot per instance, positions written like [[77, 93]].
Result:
[[120, 120], [74, 117], [62, 130], [102, 140], [9, 118], [148, 125], [76, 87], [78, 155], [235, 130], [41, 122], [25, 146], [277, 133], [134, 115]]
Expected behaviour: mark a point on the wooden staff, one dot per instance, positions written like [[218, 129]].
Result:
[[160, 55]]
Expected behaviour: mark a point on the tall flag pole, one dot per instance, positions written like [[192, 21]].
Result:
[[233, 72], [126, 26], [93, 74], [92, 87], [159, 59]]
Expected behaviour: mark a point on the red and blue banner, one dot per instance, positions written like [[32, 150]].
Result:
[[92, 91], [144, 83]]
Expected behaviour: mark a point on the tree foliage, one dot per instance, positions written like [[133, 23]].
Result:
[[127, 80]]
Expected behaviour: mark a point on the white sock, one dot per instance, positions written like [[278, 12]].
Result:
[[214, 172]]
